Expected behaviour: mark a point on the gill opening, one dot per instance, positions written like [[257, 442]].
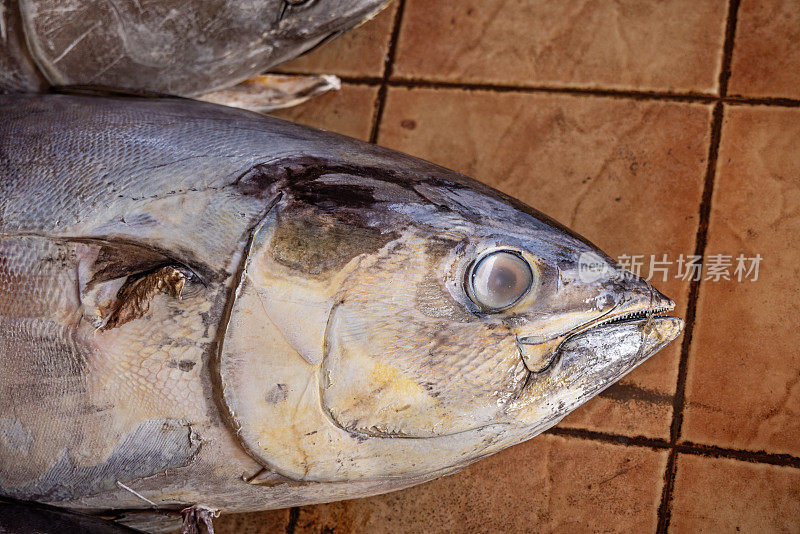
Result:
[[217, 386]]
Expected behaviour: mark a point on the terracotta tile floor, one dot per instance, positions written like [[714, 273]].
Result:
[[651, 127]]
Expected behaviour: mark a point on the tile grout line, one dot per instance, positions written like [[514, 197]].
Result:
[[388, 67], [760, 457], [776, 102], [501, 88], [727, 53], [294, 516], [691, 98], [696, 449], [607, 437], [679, 401]]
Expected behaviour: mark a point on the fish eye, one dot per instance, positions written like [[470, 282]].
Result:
[[498, 280]]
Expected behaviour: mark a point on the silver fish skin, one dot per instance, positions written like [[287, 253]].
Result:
[[168, 46], [202, 305]]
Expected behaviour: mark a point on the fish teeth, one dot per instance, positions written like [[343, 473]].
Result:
[[634, 314]]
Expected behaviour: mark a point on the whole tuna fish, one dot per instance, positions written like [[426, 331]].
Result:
[[205, 306], [180, 47]]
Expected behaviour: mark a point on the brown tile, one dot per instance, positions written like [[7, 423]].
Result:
[[629, 408], [549, 484], [627, 174], [359, 52], [743, 383], [348, 111], [270, 522], [722, 495], [673, 45], [766, 58]]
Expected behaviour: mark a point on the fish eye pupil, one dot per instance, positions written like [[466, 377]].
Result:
[[498, 280], [502, 279]]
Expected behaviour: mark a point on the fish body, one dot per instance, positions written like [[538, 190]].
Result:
[[202, 305], [176, 47]]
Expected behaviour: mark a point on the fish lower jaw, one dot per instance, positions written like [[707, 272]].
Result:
[[588, 362]]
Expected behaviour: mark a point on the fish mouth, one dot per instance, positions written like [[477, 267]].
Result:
[[644, 307], [590, 359], [611, 348], [625, 316]]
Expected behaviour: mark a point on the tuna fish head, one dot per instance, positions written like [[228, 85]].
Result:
[[403, 321]]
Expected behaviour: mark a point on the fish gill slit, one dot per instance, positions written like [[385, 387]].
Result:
[[217, 387]]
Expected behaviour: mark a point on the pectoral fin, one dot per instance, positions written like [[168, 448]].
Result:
[[135, 295], [273, 91]]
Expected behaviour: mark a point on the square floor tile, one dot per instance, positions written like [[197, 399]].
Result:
[[630, 408], [548, 484], [743, 383], [359, 52], [348, 111], [766, 55], [673, 45], [270, 522], [627, 174], [722, 495]]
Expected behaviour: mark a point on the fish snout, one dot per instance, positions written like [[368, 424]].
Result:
[[639, 295]]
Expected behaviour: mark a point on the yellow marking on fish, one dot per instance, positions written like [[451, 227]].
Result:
[[392, 379]]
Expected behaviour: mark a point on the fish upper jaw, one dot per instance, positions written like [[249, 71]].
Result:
[[537, 355]]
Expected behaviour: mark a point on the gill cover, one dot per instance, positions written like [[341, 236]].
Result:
[[327, 310]]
